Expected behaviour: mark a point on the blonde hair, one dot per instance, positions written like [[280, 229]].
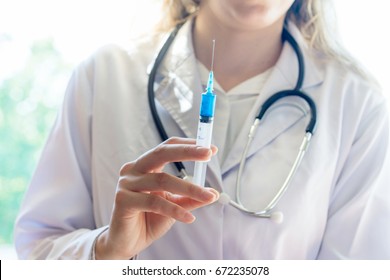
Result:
[[316, 20], [177, 11]]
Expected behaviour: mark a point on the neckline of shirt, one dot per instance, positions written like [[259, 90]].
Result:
[[252, 85]]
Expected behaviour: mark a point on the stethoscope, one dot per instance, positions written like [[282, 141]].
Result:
[[267, 212]]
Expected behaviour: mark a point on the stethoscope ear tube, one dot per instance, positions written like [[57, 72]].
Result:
[[152, 76], [285, 93], [267, 211]]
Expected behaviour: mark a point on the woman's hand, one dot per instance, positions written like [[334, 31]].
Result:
[[148, 201]]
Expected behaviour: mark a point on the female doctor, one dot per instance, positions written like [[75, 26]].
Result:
[[106, 188]]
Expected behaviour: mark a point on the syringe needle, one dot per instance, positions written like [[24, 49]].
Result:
[[212, 56], [210, 82]]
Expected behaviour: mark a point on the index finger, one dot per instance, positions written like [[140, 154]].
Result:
[[164, 153]]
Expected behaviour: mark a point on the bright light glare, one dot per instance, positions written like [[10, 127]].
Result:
[[364, 27], [77, 27]]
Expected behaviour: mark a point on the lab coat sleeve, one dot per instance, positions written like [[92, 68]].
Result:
[[358, 225], [56, 220]]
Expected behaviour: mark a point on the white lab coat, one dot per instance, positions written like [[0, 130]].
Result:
[[338, 205]]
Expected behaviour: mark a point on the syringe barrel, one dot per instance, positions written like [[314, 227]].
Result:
[[203, 139], [204, 135], [205, 131]]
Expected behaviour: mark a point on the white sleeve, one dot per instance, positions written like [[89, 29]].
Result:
[[56, 220], [358, 225]]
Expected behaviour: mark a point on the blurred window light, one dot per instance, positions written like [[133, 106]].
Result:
[[364, 27]]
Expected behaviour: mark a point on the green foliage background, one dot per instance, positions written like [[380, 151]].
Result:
[[28, 104]]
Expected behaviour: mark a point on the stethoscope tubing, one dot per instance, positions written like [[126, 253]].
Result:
[[152, 77], [286, 93], [309, 131]]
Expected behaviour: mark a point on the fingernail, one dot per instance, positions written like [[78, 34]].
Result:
[[189, 218], [214, 192], [210, 194], [204, 150]]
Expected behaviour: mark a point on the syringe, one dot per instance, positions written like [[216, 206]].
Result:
[[205, 126]]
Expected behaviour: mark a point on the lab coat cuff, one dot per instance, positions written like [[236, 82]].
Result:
[[93, 252]]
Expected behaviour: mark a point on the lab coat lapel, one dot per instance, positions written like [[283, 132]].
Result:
[[179, 83], [283, 76]]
